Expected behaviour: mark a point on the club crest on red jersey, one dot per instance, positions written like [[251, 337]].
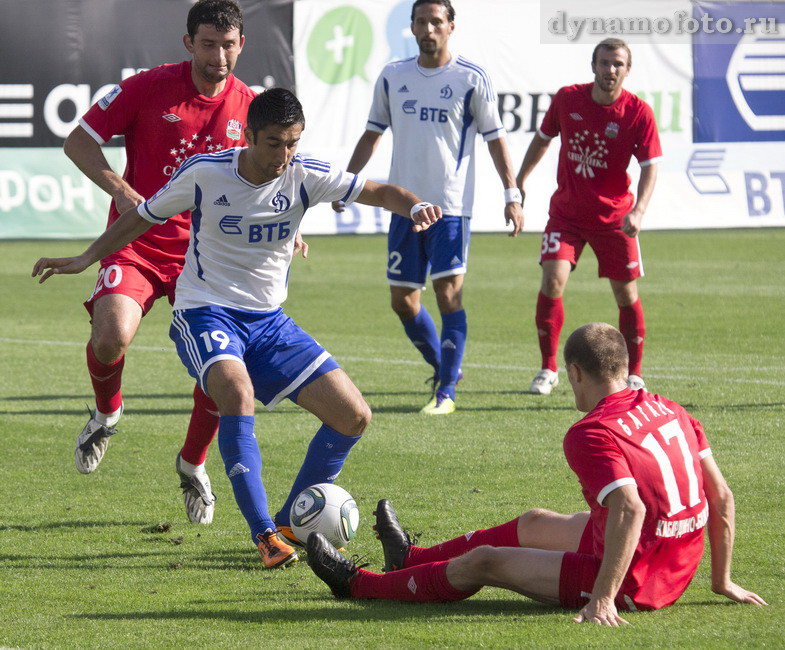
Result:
[[234, 129], [611, 130]]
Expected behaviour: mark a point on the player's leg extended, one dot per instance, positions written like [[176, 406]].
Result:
[[115, 320], [338, 403], [190, 461], [632, 324], [535, 573], [407, 266]]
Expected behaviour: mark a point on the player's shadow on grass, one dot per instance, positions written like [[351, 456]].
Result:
[[462, 408], [354, 610]]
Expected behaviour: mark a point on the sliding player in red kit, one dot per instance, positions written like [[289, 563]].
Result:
[[602, 126], [166, 114], [652, 486]]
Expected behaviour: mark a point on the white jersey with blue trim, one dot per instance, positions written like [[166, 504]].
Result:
[[435, 115], [242, 235]]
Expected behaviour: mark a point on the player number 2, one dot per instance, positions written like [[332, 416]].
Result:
[[550, 242], [218, 336], [670, 431], [395, 262]]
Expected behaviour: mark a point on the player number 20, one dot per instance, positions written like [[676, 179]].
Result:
[[670, 432], [550, 242], [218, 336]]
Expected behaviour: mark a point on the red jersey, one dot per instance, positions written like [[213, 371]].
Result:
[[636, 438], [597, 143], [165, 120]]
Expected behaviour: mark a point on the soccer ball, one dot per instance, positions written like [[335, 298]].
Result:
[[327, 509]]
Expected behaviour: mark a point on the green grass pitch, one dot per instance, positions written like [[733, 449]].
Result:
[[84, 562]]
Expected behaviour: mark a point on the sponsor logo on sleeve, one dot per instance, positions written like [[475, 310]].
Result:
[[109, 97]]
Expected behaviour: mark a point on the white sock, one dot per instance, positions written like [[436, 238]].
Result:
[[191, 469], [108, 419]]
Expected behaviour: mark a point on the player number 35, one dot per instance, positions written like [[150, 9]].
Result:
[[550, 242]]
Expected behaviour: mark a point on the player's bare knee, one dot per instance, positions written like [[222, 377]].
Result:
[[482, 561], [404, 309], [108, 347], [359, 419]]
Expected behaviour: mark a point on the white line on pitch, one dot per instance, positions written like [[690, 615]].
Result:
[[412, 362]]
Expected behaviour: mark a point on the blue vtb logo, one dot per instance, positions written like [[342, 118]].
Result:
[[408, 106], [446, 92], [281, 202], [230, 224]]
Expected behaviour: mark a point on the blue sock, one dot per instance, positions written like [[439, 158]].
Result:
[[421, 330], [323, 462], [243, 464], [454, 331]]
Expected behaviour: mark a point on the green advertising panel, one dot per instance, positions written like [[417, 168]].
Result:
[[44, 196]]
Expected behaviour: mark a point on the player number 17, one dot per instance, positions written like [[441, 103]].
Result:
[[670, 431]]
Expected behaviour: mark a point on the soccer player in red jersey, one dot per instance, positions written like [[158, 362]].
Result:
[[651, 483], [166, 114], [602, 126]]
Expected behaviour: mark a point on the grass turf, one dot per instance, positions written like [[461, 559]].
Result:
[[109, 559]]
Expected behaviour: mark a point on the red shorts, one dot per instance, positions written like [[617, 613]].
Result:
[[126, 274], [618, 256], [578, 573]]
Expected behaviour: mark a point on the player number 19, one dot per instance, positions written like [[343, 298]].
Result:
[[670, 431], [218, 336]]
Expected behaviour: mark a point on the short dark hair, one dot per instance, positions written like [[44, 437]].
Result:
[[275, 106], [444, 3], [599, 350], [221, 14], [612, 44]]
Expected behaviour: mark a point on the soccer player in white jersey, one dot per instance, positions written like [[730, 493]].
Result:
[[435, 105], [229, 328]]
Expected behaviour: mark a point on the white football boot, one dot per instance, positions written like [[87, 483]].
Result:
[[635, 383], [544, 382], [91, 444], [198, 497]]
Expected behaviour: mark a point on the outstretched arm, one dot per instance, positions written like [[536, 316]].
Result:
[[400, 201], [123, 231], [722, 527], [366, 145], [632, 222], [622, 532], [513, 209], [87, 155]]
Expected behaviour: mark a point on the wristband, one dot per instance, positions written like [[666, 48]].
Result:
[[419, 206], [513, 195]]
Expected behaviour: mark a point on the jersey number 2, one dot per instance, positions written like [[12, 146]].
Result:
[[670, 431]]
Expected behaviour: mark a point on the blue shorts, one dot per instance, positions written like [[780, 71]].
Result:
[[279, 356], [443, 249]]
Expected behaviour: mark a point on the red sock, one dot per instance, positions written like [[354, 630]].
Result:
[[633, 328], [426, 583], [106, 381], [549, 319], [505, 535], [201, 429]]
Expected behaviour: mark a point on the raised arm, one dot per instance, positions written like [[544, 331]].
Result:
[[400, 201], [632, 222], [123, 231], [87, 155], [622, 532], [722, 528], [513, 209], [363, 151]]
